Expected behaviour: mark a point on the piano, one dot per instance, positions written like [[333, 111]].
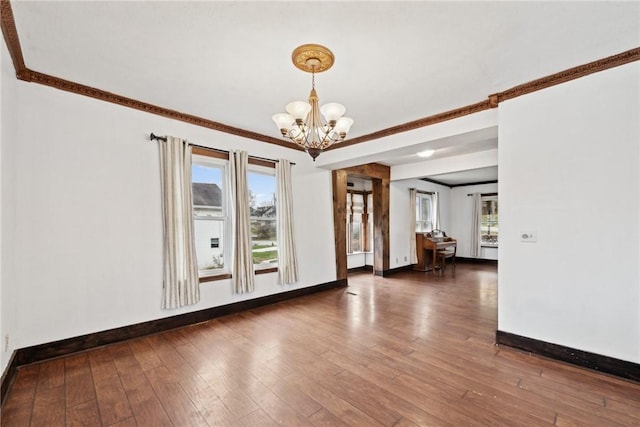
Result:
[[427, 248]]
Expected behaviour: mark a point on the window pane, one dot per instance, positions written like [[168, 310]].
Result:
[[208, 212], [207, 190], [370, 222], [424, 212], [489, 225], [356, 237], [262, 205]]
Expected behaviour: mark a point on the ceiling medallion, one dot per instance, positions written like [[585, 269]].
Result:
[[312, 58]]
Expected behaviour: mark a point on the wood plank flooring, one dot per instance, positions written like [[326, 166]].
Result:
[[408, 350]]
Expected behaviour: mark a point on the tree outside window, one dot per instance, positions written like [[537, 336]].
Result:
[[263, 215]]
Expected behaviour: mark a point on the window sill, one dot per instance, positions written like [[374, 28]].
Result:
[[224, 276], [215, 277], [266, 270]]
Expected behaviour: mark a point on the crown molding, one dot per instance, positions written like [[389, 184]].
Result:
[[434, 181], [612, 61], [10, 34], [494, 181], [80, 89], [416, 124], [494, 99]]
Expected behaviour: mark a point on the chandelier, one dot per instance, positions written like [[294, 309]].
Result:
[[302, 123]]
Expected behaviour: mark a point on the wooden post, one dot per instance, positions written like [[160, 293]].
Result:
[[380, 226], [339, 186]]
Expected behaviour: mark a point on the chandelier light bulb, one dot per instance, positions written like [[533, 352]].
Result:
[[332, 111], [343, 125], [283, 121], [298, 110]]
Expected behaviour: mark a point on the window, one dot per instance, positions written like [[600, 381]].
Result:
[[369, 237], [212, 223], [489, 223], [424, 211], [358, 219], [355, 230], [262, 205], [209, 214]]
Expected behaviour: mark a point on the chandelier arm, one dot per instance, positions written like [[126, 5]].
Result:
[[295, 138]]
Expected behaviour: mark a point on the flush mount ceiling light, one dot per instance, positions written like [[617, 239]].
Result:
[[426, 153], [301, 123]]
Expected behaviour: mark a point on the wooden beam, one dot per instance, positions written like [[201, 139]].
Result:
[[369, 171], [339, 186]]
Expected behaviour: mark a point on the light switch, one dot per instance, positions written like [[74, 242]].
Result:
[[528, 236]]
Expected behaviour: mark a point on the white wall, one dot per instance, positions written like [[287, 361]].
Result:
[[8, 120], [356, 260], [461, 213], [88, 239], [399, 233], [570, 172]]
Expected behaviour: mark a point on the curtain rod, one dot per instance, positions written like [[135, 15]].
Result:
[[483, 194], [164, 138], [422, 191]]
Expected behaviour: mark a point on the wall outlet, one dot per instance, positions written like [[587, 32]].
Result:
[[396, 260], [6, 343], [528, 236], [405, 258]]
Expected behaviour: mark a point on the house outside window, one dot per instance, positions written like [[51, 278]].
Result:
[[209, 214]]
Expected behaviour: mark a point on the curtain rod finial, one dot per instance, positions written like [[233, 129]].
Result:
[[159, 138]]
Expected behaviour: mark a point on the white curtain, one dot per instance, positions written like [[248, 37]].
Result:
[[287, 257], [413, 253], [180, 282], [436, 211], [475, 224], [243, 275]]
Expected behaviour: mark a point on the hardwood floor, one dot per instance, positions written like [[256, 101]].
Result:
[[411, 349]]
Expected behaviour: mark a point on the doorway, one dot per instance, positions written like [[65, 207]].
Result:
[[359, 224], [379, 176]]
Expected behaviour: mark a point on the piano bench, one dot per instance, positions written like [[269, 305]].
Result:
[[442, 258]]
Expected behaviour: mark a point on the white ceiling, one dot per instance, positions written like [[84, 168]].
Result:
[[468, 176], [395, 61]]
